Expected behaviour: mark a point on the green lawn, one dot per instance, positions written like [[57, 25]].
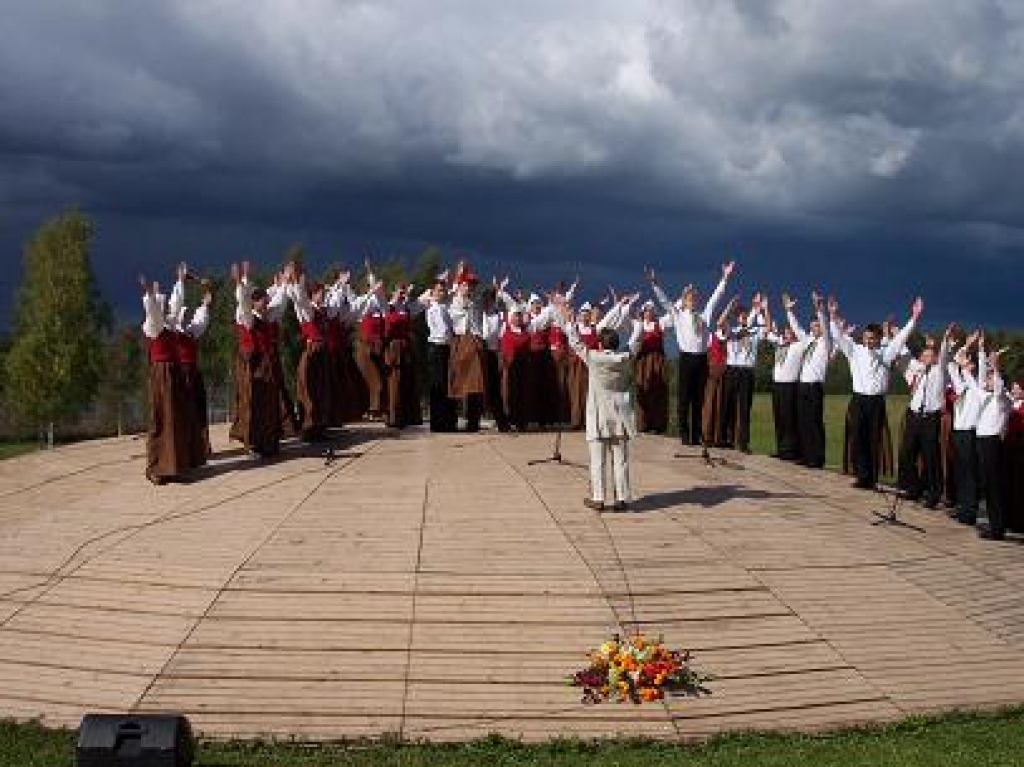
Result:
[[12, 449], [956, 740]]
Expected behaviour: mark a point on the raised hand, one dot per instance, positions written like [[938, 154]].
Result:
[[833, 306], [917, 307], [818, 301], [727, 269], [649, 275]]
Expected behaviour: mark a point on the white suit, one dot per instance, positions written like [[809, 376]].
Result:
[[610, 415]]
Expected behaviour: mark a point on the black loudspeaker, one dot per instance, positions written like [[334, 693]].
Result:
[[134, 740]]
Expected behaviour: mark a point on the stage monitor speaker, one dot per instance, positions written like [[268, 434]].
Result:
[[134, 740]]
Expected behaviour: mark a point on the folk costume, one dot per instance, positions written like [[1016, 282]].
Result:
[[651, 372], [168, 443], [193, 406], [258, 423]]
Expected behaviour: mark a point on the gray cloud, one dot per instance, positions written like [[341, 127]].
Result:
[[573, 130]]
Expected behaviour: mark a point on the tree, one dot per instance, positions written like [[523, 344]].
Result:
[[54, 364]]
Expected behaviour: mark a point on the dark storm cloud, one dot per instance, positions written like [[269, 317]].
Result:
[[885, 135]]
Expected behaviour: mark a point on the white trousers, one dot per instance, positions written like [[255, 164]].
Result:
[[619, 450]]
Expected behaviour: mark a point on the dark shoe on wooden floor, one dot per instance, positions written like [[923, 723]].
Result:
[[592, 504]]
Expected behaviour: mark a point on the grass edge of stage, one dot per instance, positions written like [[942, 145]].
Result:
[[994, 737]]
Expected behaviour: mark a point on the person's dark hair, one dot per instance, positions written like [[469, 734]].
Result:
[[442, 283], [490, 293], [608, 339], [874, 327]]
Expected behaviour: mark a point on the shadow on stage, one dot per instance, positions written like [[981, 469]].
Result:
[[706, 496], [339, 446]]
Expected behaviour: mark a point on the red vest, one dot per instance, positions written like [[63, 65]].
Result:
[[371, 327], [162, 348], [186, 349], [716, 350], [397, 325], [588, 336], [1015, 426], [538, 340], [259, 338], [312, 331], [514, 344], [556, 338], [653, 340]]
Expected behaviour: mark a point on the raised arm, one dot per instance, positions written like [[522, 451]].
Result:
[[841, 338], [899, 341], [789, 304], [153, 310], [716, 296], [201, 316]]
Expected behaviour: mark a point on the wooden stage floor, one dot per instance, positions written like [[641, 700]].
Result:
[[438, 587]]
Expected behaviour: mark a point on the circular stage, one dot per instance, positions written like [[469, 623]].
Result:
[[439, 587]]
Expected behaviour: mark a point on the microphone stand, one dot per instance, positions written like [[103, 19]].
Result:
[[556, 453]]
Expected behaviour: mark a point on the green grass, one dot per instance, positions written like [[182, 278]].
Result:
[[12, 449], [954, 740]]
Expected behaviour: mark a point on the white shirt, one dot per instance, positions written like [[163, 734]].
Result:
[[927, 384], [439, 324], [742, 342], [154, 323], [967, 405], [869, 368], [692, 329], [995, 403], [813, 352], [467, 316], [786, 367], [492, 324]]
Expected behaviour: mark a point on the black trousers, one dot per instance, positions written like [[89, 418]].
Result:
[[492, 383], [443, 409], [737, 399], [990, 471], [921, 442], [784, 415], [693, 375], [810, 414], [866, 414], [965, 459]]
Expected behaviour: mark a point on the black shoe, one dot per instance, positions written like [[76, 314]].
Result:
[[931, 504], [986, 532], [862, 484], [744, 449], [592, 504], [620, 506], [966, 519]]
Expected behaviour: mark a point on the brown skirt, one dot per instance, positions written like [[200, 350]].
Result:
[[258, 424], [714, 400], [515, 375], [403, 402], [370, 360], [466, 367], [651, 392], [194, 413], [312, 389], [168, 449], [886, 461], [579, 381], [348, 397]]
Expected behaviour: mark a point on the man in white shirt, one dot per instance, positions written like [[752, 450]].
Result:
[[742, 341], [785, 377], [869, 368], [693, 334], [926, 378], [467, 378], [814, 351], [966, 408], [993, 416], [443, 414]]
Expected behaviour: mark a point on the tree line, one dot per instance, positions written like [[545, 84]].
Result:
[[66, 356]]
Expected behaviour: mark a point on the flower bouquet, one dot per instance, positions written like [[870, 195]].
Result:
[[637, 670]]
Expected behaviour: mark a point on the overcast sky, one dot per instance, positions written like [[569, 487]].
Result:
[[870, 148]]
